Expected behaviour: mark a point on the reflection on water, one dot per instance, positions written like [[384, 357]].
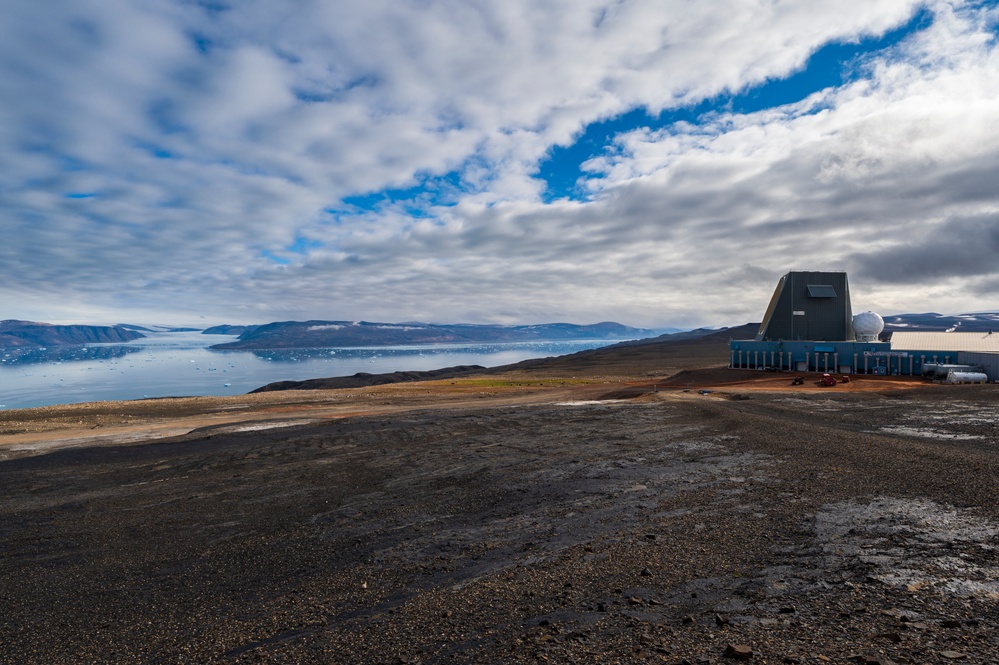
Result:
[[177, 364]]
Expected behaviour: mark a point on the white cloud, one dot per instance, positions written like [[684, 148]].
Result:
[[209, 140]]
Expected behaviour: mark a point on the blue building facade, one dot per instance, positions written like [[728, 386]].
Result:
[[822, 356]]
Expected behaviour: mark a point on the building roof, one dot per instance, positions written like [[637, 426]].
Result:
[[945, 341]]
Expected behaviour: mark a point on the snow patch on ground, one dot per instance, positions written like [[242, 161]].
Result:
[[916, 544], [927, 433], [255, 427]]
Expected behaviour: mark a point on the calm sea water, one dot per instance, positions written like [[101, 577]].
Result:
[[180, 364]]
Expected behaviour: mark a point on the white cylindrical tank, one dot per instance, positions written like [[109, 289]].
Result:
[[867, 326], [967, 377]]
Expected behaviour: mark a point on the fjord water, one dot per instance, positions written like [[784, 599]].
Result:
[[181, 364]]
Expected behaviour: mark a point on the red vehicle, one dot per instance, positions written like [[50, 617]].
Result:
[[828, 380]]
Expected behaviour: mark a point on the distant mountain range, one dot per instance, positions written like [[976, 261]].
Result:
[[14, 334], [318, 334], [933, 322]]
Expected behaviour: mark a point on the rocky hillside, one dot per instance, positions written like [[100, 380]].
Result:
[[15, 334]]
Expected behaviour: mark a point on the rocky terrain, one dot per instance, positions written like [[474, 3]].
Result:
[[555, 513]]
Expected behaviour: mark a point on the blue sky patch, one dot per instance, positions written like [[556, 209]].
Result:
[[415, 201], [201, 42], [303, 245], [274, 258], [154, 150], [832, 65]]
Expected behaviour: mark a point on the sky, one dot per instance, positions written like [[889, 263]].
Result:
[[660, 163]]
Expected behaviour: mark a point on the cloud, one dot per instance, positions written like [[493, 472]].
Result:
[[154, 156]]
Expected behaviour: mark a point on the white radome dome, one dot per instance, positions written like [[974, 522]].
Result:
[[868, 324]]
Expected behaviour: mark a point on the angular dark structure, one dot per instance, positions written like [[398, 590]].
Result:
[[809, 305]]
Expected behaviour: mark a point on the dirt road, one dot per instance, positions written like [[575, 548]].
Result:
[[552, 527]]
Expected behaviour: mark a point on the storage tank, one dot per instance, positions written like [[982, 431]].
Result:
[[967, 377], [930, 370], [867, 326], [942, 370]]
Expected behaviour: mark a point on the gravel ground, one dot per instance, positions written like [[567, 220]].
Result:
[[674, 527]]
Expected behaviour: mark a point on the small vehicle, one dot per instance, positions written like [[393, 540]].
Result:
[[798, 381], [828, 380]]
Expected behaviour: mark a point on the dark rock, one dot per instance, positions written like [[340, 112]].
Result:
[[738, 651]]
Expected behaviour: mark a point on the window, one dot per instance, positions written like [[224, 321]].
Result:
[[821, 291]]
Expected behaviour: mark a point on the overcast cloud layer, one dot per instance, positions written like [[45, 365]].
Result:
[[182, 162]]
